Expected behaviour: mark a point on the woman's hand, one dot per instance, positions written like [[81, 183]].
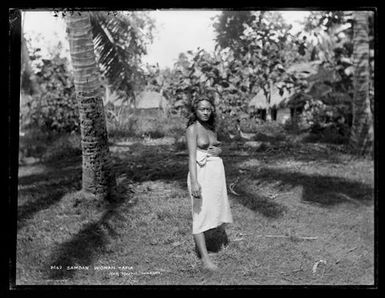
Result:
[[214, 150], [196, 190]]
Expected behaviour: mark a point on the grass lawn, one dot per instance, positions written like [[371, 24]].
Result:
[[292, 209]]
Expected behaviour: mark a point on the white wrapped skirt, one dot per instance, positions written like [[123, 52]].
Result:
[[213, 208]]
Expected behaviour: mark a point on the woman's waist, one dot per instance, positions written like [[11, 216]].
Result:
[[212, 150], [202, 157], [206, 152]]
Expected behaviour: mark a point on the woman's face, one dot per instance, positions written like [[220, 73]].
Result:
[[204, 110]]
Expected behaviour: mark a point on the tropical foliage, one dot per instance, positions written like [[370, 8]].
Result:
[[53, 108], [229, 27], [330, 35], [256, 60], [256, 53], [48, 101]]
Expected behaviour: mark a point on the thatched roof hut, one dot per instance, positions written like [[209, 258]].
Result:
[[151, 100], [259, 101]]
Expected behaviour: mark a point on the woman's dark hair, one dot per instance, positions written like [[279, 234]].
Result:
[[192, 118]]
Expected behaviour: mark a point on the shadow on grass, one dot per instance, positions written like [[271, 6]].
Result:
[[44, 190], [326, 138], [315, 154], [325, 153], [79, 251], [149, 163], [60, 172], [323, 190], [86, 245], [262, 137], [259, 203], [46, 196]]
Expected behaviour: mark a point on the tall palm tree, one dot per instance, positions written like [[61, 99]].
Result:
[[98, 177], [362, 127]]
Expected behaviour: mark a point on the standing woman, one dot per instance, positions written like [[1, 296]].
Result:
[[206, 178]]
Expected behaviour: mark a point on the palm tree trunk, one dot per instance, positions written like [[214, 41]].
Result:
[[98, 177], [361, 137]]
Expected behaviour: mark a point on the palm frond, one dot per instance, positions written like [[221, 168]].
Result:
[[119, 45]]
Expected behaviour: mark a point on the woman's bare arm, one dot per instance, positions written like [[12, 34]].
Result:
[[191, 137]]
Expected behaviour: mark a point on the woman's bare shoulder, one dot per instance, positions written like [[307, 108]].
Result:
[[191, 130]]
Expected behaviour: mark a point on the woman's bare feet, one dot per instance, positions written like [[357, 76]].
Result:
[[209, 265]]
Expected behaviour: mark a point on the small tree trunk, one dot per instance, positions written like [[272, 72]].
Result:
[[268, 114], [268, 100], [98, 177]]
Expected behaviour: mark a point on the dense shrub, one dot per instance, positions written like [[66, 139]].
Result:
[[51, 114], [319, 117], [33, 143], [65, 146], [54, 108], [49, 146], [226, 126]]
